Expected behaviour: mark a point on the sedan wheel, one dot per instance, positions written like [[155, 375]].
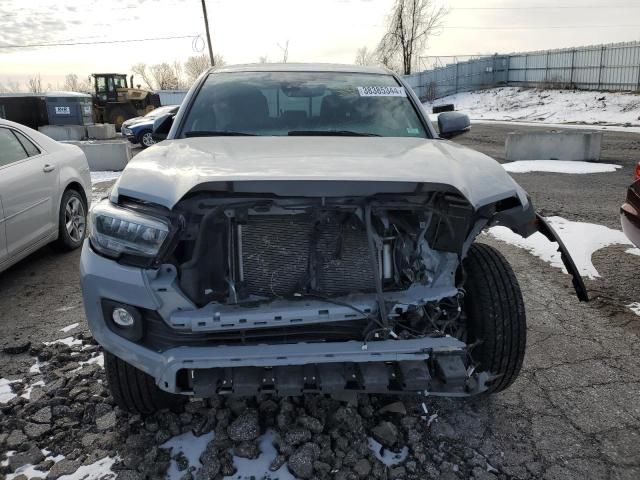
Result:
[[147, 139], [73, 220]]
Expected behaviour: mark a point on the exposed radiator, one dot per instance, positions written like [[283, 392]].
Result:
[[277, 249]]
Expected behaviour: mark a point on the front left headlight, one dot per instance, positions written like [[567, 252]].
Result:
[[117, 231]]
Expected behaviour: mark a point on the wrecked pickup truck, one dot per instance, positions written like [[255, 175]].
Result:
[[304, 229]]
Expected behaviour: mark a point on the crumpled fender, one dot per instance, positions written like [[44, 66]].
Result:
[[578, 284]]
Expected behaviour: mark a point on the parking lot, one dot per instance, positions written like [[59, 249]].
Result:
[[573, 413]]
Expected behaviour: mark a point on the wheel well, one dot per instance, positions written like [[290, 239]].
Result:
[[78, 188]]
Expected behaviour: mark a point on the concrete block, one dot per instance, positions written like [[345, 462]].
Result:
[[64, 132], [101, 131], [554, 145], [112, 155]]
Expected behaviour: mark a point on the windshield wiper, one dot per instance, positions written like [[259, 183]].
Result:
[[217, 133], [330, 133]]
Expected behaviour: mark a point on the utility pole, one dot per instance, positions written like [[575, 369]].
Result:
[[206, 26]]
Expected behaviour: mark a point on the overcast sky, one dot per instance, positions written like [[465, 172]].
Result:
[[317, 30]]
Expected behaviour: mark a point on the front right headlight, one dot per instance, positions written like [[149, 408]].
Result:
[[117, 231]]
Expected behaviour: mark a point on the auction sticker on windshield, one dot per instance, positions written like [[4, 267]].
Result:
[[382, 92]]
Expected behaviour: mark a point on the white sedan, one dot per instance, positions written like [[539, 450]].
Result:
[[45, 191]]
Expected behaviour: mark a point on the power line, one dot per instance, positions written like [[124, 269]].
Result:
[[62, 44]]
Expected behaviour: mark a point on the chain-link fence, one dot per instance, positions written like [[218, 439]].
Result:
[[599, 67]]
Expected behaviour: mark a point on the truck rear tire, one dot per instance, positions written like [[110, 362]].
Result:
[[496, 317], [134, 390]]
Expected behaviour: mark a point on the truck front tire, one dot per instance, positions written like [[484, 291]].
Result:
[[496, 320], [134, 390]]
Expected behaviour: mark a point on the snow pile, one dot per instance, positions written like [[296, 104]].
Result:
[[69, 327], [69, 341], [559, 166], [104, 176], [191, 446], [548, 106], [581, 239]]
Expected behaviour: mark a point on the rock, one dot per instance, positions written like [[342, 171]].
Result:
[[162, 436], [322, 469], [106, 422], [397, 472], [245, 427], [362, 468], [129, 475], [63, 467], [301, 461], [18, 347], [395, 407], [15, 439], [36, 430], [385, 433], [32, 456], [210, 463], [277, 463], [3, 438], [297, 436], [42, 416], [247, 450], [311, 423]]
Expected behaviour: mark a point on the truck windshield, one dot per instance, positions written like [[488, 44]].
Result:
[[302, 104]]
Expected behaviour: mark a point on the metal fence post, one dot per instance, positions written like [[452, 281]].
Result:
[[457, 74], [573, 59], [546, 67], [601, 65]]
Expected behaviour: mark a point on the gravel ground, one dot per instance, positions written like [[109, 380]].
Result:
[[573, 413]]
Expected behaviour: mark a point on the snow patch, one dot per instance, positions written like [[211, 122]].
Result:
[[581, 239], [104, 176], [633, 251], [6, 392], [558, 166], [35, 368], [100, 470], [69, 327], [29, 470], [70, 341], [634, 307], [259, 468], [546, 106], [191, 446], [387, 457], [27, 393]]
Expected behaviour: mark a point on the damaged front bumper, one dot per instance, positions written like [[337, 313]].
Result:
[[432, 365]]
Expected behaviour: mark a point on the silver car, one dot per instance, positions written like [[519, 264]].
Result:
[[43, 193]]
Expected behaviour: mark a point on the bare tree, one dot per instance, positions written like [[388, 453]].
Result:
[[285, 51], [195, 66], [411, 24], [10, 86], [263, 59], [142, 71], [34, 84], [365, 57], [164, 76], [177, 71], [73, 84]]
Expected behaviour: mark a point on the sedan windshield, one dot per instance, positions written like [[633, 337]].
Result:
[[302, 104]]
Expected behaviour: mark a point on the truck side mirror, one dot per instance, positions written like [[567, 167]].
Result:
[[451, 124], [161, 126]]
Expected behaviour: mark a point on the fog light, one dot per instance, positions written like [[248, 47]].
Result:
[[122, 317]]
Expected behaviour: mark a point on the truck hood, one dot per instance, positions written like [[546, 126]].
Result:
[[164, 173]]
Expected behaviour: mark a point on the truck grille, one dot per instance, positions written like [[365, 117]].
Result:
[[277, 254]]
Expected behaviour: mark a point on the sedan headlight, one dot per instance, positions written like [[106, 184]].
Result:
[[116, 231]]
